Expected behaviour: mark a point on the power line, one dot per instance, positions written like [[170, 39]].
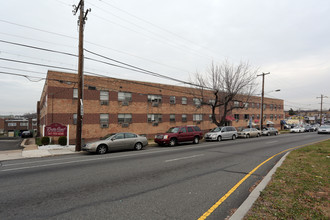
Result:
[[37, 29], [157, 26], [160, 37], [145, 71]]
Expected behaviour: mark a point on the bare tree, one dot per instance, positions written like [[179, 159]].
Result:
[[224, 84]]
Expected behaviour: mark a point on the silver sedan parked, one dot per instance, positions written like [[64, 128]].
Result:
[[249, 132], [117, 141]]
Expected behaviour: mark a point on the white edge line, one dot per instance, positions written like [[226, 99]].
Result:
[[183, 158]]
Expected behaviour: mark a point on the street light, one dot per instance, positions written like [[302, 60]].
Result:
[[262, 105]]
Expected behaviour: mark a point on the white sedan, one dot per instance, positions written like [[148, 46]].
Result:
[[297, 130]]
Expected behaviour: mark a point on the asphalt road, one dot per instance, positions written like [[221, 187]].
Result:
[[10, 144], [181, 182]]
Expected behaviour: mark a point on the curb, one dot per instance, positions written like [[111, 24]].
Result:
[[247, 204]]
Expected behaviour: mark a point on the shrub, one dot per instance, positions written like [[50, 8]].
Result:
[[62, 140], [45, 140]]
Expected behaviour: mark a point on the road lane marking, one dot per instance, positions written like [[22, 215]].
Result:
[[271, 142], [183, 158], [99, 158], [223, 198]]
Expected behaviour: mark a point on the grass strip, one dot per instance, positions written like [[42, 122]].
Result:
[[299, 188]]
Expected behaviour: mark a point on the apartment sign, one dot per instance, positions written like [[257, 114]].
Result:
[[55, 129]]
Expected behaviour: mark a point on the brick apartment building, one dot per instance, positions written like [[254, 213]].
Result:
[[17, 125], [114, 105]]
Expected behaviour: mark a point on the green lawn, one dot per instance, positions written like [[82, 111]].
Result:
[[299, 188]]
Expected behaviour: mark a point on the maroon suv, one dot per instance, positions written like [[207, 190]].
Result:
[[179, 134]]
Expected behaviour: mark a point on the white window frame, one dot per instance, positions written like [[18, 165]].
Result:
[[124, 118], [75, 93], [125, 96], [104, 120]]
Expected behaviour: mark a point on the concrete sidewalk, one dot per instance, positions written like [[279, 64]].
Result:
[[30, 150]]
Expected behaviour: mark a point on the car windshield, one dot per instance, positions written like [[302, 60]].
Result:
[[173, 130], [246, 129], [216, 129], [107, 136]]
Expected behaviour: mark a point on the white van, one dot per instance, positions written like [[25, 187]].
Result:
[[221, 133]]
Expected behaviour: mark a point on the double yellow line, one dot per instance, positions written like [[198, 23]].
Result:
[[218, 203]]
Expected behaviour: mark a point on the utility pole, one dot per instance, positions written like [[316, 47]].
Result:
[[322, 97], [262, 100], [81, 22]]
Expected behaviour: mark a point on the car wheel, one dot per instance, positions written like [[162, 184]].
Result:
[[102, 149], [258, 135], [268, 134], [138, 146], [247, 136], [234, 137], [172, 142], [276, 133], [219, 138], [196, 140]]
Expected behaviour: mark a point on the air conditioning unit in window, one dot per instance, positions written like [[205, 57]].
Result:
[[103, 102], [125, 125], [198, 106], [155, 104], [125, 103], [104, 125], [155, 124]]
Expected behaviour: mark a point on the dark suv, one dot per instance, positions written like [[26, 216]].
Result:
[[179, 134]]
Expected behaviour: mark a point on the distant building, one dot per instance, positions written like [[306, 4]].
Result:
[[114, 105], [16, 125]]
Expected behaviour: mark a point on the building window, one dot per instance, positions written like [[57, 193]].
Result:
[[155, 98], [212, 101], [34, 124], [104, 97], [265, 117], [265, 106], [104, 120], [184, 101], [197, 101], [275, 107], [271, 106], [246, 117], [172, 100], [236, 104], [252, 105], [210, 117], [75, 93], [124, 118], [155, 118], [197, 117], [11, 124], [124, 96], [258, 105], [275, 117], [246, 105], [252, 116], [236, 116], [271, 117], [184, 118], [172, 117], [23, 124], [258, 117], [74, 119]]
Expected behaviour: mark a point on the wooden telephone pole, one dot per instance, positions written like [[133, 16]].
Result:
[[262, 100], [321, 116], [81, 22]]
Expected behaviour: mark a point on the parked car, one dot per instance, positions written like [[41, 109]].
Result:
[[297, 129], [179, 134], [117, 141], [308, 128], [249, 132], [27, 134], [324, 129], [269, 131], [221, 133]]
